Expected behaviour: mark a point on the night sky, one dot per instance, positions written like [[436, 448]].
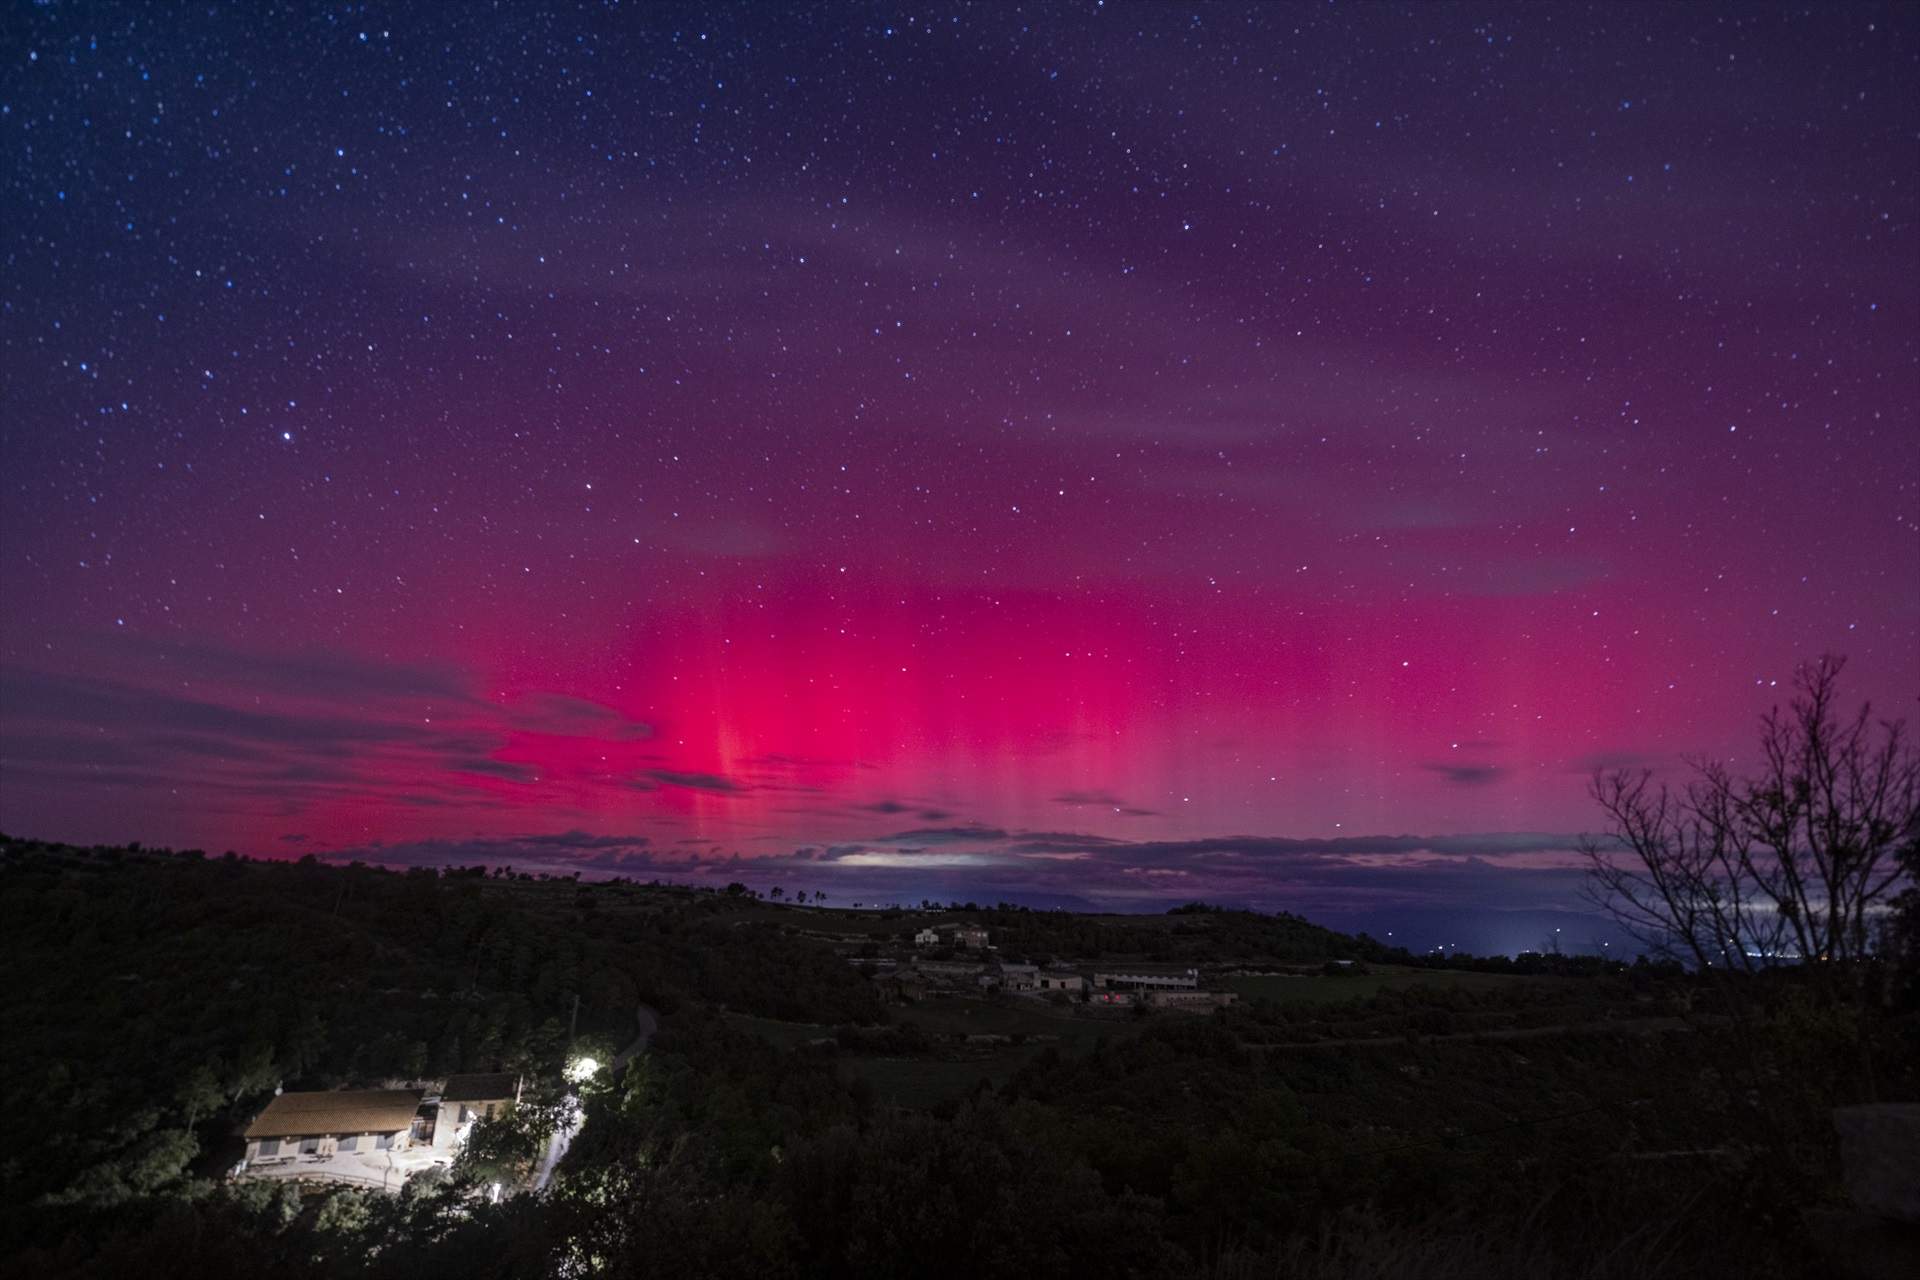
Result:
[[1079, 453]]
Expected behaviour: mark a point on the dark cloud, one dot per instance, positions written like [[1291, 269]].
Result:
[[1467, 775], [497, 769], [567, 716], [115, 704], [581, 840], [1064, 841], [894, 808], [834, 852], [275, 733], [1617, 761], [1103, 800], [49, 746], [320, 674], [215, 748], [779, 760], [697, 781], [941, 835], [1535, 575], [1493, 844]]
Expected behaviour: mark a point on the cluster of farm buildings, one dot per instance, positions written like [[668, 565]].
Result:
[[1154, 986]]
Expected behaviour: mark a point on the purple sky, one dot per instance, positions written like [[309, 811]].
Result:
[[1108, 453]]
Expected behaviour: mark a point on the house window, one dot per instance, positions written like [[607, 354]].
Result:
[[383, 1142], [269, 1147], [309, 1146], [350, 1143]]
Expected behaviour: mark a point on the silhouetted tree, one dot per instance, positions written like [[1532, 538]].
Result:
[[1795, 861], [1903, 930]]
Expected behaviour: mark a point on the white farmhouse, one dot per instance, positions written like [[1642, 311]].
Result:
[[367, 1137], [467, 1098]]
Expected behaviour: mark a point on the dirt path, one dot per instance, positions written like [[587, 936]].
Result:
[[649, 1022], [562, 1138]]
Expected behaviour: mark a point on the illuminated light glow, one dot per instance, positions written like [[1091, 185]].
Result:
[[881, 858]]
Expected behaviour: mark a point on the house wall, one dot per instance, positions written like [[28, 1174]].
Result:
[[1147, 981], [456, 1118], [323, 1145], [446, 1126]]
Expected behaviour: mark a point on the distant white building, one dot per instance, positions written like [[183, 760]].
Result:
[[1012, 977], [926, 938], [1060, 980], [1139, 981]]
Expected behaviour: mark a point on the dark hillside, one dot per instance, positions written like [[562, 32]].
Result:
[[803, 1111]]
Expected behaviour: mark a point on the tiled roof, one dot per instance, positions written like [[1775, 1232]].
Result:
[[309, 1115]]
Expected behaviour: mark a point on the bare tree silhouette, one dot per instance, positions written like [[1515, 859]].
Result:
[[1795, 863]]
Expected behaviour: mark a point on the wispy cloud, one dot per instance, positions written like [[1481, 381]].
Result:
[[1467, 775], [566, 716], [1103, 800], [508, 769], [234, 731], [894, 808], [944, 835], [712, 782]]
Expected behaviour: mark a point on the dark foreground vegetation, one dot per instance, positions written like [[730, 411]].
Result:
[[1570, 1118]]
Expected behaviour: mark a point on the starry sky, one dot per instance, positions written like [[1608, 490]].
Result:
[[1075, 453]]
